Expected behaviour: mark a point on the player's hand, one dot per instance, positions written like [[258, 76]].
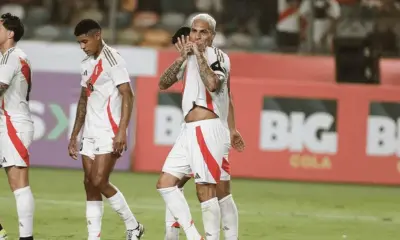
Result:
[[198, 48], [119, 144], [73, 148], [184, 46], [237, 141]]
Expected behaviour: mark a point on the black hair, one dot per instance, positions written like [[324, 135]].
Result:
[[13, 23], [86, 26]]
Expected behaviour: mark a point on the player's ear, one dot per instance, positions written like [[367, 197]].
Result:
[[97, 35], [10, 34]]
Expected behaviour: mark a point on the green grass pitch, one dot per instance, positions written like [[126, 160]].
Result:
[[268, 210]]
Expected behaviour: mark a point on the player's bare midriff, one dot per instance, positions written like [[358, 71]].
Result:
[[199, 113]]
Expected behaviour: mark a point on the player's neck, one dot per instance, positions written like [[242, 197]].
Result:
[[6, 46], [101, 46]]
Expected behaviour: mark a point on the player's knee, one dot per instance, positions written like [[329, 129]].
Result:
[[98, 181], [166, 180], [87, 182], [223, 189], [205, 192], [17, 178]]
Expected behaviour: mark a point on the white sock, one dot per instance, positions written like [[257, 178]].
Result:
[[172, 227], [211, 218], [230, 218], [119, 205], [176, 203], [94, 214], [25, 210]]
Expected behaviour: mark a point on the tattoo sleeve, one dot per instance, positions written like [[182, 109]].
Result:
[[168, 78], [209, 78], [80, 113], [126, 106], [3, 88]]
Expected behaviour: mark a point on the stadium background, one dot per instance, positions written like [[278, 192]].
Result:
[[298, 122]]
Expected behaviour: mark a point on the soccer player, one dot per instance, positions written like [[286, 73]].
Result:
[[16, 125], [3, 233], [104, 110], [201, 145], [229, 212]]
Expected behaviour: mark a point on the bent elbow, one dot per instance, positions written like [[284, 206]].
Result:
[[212, 88], [161, 86]]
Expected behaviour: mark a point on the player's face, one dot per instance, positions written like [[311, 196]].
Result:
[[201, 34], [4, 33], [89, 43]]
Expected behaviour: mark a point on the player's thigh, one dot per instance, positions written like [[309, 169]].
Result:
[[176, 163], [14, 157], [102, 167], [207, 151], [87, 164], [87, 149]]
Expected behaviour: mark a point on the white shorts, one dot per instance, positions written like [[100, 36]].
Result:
[[14, 149], [96, 146], [199, 149]]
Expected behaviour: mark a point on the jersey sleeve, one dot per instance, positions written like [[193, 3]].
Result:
[[119, 73], [8, 69], [218, 64], [83, 76]]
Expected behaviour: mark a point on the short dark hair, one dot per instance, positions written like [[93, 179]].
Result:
[[85, 26], [13, 23]]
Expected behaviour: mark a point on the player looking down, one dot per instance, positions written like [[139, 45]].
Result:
[[104, 110]]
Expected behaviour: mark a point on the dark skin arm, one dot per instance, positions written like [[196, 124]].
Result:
[[3, 88], [79, 121], [126, 111]]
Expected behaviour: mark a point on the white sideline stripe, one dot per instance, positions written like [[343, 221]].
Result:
[[158, 207]]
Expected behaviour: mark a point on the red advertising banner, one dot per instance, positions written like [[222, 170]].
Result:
[[293, 130], [288, 67]]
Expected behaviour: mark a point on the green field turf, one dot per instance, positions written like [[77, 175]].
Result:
[[268, 210]]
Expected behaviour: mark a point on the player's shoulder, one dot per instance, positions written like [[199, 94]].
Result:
[[218, 53], [86, 60], [111, 56], [13, 56]]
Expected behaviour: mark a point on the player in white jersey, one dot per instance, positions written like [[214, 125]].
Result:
[[16, 125], [104, 111], [229, 212], [202, 144]]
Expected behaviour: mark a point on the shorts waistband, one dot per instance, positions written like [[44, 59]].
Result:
[[202, 122]]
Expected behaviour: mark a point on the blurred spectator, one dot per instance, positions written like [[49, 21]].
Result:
[[325, 14], [288, 26], [263, 25], [388, 26]]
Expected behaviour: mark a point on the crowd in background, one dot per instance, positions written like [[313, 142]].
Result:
[[251, 25]]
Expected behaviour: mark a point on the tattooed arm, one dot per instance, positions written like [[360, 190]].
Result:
[[3, 88], [80, 114], [211, 80], [169, 76]]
